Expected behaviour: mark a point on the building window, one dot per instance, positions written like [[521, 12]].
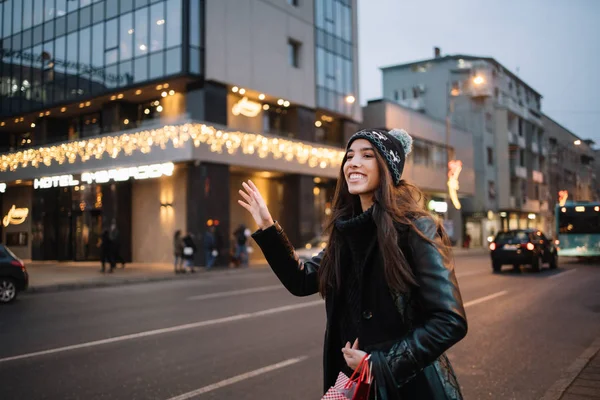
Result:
[[490, 156], [396, 96], [293, 3], [521, 158], [491, 190], [403, 94], [294, 53]]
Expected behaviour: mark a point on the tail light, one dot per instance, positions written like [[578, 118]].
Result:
[[530, 246], [18, 263], [557, 242], [492, 246]]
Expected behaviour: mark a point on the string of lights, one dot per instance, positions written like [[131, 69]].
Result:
[[218, 141]]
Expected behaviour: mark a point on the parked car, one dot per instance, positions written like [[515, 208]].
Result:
[[13, 275], [523, 247], [312, 248]]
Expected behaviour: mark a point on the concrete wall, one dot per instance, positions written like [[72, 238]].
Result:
[[153, 226], [247, 46], [20, 197]]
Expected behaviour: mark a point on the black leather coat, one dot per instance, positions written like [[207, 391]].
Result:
[[433, 314]]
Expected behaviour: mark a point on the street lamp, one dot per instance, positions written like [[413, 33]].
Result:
[[454, 166]]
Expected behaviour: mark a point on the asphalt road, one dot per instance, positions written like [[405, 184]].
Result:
[[240, 335]]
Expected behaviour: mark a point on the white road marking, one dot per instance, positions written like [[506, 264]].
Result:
[[177, 328], [562, 273], [471, 273], [485, 298], [236, 292], [239, 378]]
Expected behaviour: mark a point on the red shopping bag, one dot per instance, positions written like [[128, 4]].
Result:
[[354, 388]]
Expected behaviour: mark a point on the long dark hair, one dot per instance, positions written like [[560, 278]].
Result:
[[392, 204]]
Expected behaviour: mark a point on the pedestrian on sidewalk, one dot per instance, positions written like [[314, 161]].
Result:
[[106, 251], [115, 242], [210, 247], [189, 251], [241, 235], [386, 275], [178, 252]]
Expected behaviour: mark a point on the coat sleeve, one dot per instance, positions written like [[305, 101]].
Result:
[[444, 322], [299, 278]]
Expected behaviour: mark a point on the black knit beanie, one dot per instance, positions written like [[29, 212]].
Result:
[[394, 146]]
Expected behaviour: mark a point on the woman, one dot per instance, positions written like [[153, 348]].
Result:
[[178, 252], [389, 288]]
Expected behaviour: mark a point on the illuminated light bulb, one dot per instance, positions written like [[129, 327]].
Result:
[[41, 115], [130, 31], [235, 89], [166, 85], [87, 103], [143, 47], [63, 109], [350, 99], [126, 121], [160, 22], [147, 111], [261, 96], [286, 103], [81, 105], [33, 125], [164, 94], [47, 113], [138, 92], [159, 108], [266, 107], [318, 124], [242, 91], [159, 87], [171, 92], [280, 102], [113, 97], [120, 96]]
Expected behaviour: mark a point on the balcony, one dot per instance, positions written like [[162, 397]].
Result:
[[535, 148], [519, 172], [512, 138], [538, 176], [415, 104]]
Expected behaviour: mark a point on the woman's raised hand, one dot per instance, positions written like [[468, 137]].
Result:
[[255, 204]]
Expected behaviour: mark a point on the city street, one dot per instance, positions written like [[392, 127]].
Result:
[[242, 336]]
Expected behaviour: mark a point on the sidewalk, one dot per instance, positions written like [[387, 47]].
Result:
[[581, 381], [52, 276]]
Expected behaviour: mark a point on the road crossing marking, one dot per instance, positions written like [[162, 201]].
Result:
[[161, 331], [562, 273], [236, 292], [239, 378], [485, 298]]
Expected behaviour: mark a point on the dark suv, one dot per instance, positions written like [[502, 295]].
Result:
[[13, 275], [523, 246]]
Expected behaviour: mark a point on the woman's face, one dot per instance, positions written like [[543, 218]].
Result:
[[361, 170]]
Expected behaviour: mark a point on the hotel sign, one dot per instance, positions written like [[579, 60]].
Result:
[[123, 174], [104, 176], [55, 181]]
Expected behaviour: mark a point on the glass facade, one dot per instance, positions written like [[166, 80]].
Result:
[[58, 51], [335, 54]]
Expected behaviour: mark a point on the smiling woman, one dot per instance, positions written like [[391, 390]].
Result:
[[390, 291]]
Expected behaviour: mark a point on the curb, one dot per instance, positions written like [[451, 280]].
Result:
[[62, 287], [557, 390]]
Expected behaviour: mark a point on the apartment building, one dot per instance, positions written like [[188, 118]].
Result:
[[503, 114]]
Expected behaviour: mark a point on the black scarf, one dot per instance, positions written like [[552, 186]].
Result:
[[359, 236]]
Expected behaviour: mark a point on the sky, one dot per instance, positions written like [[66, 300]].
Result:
[[552, 45]]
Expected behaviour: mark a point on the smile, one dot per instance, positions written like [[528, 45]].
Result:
[[356, 177]]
